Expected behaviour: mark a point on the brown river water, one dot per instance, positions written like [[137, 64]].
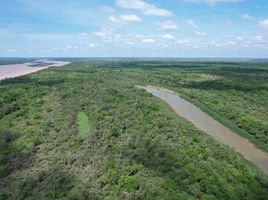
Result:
[[15, 70], [212, 127]]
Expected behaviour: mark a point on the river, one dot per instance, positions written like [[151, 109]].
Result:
[[210, 126]]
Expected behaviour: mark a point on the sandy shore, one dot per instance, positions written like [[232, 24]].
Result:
[[15, 70]]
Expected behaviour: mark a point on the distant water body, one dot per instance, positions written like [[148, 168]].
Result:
[[15, 70]]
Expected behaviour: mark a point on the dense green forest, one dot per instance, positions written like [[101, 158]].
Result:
[[85, 132]]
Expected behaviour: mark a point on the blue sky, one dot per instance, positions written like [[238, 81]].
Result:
[[134, 28]]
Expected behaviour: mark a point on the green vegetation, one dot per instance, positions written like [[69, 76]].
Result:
[[138, 148], [83, 124], [233, 93]]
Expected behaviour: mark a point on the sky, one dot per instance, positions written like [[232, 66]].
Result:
[[134, 28]]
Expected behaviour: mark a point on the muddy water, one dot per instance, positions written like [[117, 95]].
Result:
[[212, 127], [15, 70]]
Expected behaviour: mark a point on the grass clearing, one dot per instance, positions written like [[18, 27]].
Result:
[[83, 124]]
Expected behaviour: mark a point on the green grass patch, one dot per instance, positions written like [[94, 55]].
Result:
[[83, 124]]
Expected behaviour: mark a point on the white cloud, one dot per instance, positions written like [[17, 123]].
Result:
[[258, 39], [148, 40], [168, 37], [140, 36], [113, 19], [247, 17], [111, 37], [213, 2], [104, 34], [180, 42], [169, 25], [70, 47], [264, 24], [144, 7], [130, 18], [92, 45], [200, 34], [230, 43], [192, 23], [122, 19], [247, 41], [12, 50], [240, 38]]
